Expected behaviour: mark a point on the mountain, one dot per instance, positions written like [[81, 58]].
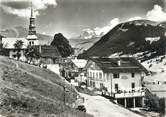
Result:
[[21, 32], [143, 39], [91, 33], [86, 39], [80, 45]]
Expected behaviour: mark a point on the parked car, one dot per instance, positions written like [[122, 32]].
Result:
[[81, 108]]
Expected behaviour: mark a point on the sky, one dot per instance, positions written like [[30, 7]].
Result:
[[72, 17]]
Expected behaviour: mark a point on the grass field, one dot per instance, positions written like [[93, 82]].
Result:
[[28, 90]]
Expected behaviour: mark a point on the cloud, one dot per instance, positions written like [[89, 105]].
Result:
[[135, 18], [111, 25], [105, 29], [25, 12], [18, 12], [43, 4], [156, 14]]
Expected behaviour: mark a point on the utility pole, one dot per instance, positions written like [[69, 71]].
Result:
[[64, 95], [64, 88], [111, 85]]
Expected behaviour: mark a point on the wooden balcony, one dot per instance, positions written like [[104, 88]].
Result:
[[130, 94]]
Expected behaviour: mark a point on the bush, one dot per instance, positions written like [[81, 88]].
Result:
[[155, 103]]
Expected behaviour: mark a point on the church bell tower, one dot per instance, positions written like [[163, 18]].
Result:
[[32, 37]]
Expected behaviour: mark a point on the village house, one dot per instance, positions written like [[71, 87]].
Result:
[[11, 52], [121, 78], [48, 54], [78, 65], [73, 68]]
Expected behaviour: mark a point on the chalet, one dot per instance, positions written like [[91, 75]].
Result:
[[79, 65], [48, 54], [73, 69], [121, 78], [8, 45]]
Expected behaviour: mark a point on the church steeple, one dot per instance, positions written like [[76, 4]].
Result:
[[32, 37], [31, 10], [32, 27]]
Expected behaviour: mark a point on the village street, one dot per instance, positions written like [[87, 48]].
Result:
[[100, 107]]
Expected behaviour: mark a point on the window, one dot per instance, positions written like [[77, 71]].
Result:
[[107, 75], [90, 74], [97, 75], [93, 75], [116, 87], [132, 75], [116, 75], [132, 85], [100, 76], [93, 84], [104, 77], [101, 85], [14, 56]]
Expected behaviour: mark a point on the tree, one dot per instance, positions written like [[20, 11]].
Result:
[[2, 50], [18, 45], [62, 45], [32, 52]]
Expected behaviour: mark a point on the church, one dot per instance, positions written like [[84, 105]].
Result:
[[47, 54]]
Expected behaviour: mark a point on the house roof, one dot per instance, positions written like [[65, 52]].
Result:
[[9, 42], [48, 51], [127, 64], [80, 63]]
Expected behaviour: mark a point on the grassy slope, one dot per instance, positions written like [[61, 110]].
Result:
[[28, 89]]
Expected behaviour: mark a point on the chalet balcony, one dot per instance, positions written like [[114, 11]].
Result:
[[129, 94]]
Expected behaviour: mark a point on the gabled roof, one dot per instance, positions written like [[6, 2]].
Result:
[[127, 64], [80, 63], [48, 51], [9, 42]]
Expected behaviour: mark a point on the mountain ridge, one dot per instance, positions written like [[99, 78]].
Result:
[[130, 38]]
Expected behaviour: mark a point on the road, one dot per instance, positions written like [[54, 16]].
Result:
[[100, 107]]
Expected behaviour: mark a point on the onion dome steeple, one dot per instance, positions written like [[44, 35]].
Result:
[[32, 37]]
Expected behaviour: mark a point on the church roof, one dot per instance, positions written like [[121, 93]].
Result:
[[48, 51], [8, 43]]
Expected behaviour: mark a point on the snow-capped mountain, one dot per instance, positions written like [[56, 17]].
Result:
[[91, 33]]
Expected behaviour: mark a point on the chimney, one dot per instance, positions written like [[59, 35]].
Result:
[[119, 63]]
